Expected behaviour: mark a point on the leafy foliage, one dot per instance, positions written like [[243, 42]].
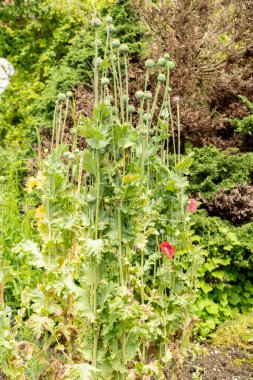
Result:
[[214, 169], [244, 125]]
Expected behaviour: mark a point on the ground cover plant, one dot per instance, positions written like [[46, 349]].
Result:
[[115, 264]]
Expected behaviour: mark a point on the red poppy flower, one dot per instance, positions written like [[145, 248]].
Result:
[[192, 207], [168, 249]]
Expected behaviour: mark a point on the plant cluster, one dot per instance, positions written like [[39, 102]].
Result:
[[117, 269], [225, 288]]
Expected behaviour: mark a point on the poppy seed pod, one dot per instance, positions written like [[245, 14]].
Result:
[[131, 109], [110, 29], [139, 94], [147, 95], [161, 62], [99, 61], [124, 48], [71, 157], [146, 117], [73, 131], [149, 64], [143, 131], [166, 56], [115, 43], [161, 78], [61, 97], [108, 19], [125, 98], [115, 111], [171, 65], [98, 42], [96, 22], [105, 81], [69, 94]]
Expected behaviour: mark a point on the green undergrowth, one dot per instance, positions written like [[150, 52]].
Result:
[[214, 169], [235, 333], [225, 287]]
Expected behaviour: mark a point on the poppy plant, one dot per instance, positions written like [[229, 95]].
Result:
[[192, 207], [168, 249]]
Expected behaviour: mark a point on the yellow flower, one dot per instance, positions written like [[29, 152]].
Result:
[[35, 182]]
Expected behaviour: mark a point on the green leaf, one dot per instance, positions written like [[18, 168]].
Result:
[[185, 163], [204, 286], [213, 308], [90, 164], [234, 299]]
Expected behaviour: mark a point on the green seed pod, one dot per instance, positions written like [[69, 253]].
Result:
[[171, 65], [124, 48], [108, 99], [131, 109], [146, 117], [99, 61], [166, 56], [149, 64], [98, 43], [61, 97], [107, 102], [115, 111], [143, 131], [140, 112], [162, 231], [125, 98], [139, 94], [69, 94], [161, 78], [95, 22], [147, 95], [110, 29], [165, 113], [73, 131], [161, 62], [71, 157], [105, 81], [108, 19], [115, 43]]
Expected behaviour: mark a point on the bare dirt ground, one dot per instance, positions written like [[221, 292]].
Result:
[[218, 364]]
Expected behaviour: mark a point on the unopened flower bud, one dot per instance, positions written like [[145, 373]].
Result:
[[161, 62], [69, 94], [161, 78], [105, 81], [115, 43], [149, 64], [139, 94]]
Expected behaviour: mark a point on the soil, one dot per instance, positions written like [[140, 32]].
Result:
[[220, 364]]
